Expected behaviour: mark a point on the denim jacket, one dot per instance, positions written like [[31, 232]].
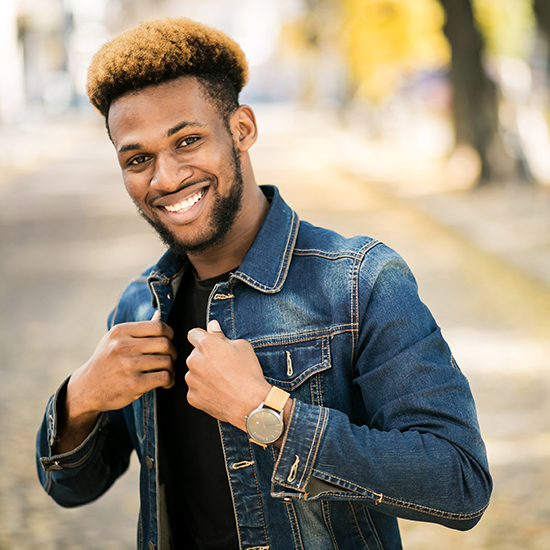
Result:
[[383, 424]]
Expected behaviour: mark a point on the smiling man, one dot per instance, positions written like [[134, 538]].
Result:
[[283, 387]]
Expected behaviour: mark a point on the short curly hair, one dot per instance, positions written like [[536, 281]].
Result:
[[160, 50]]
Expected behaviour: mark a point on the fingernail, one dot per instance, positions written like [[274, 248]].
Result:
[[215, 326]]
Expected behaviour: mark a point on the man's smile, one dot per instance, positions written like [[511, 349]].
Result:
[[185, 204]]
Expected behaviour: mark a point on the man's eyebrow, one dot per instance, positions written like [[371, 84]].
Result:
[[129, 147], [181, 125], [170, 132]]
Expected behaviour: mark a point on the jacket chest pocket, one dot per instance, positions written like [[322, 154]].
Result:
[[298, 367]]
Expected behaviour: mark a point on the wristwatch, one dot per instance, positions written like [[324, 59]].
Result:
[[265, 423]]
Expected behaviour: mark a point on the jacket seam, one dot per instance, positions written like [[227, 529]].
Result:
[[355, 297], [226, 464], [326, 254], [71, 464], [372, 526], [284, 265], [295, 526], [308, 468], [258, 495], [328, 523], [380, 498], [354, 515], [308, 336]]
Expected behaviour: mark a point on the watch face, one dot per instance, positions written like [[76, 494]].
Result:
[[264, 426]]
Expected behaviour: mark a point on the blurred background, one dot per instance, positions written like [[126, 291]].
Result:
[[420, 122]]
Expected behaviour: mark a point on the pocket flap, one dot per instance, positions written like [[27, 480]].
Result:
[[290, 364]]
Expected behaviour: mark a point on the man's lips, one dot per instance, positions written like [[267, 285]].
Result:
[[181, 201], [185, 204]]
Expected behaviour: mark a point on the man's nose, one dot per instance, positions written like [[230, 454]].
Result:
[[170, 172]]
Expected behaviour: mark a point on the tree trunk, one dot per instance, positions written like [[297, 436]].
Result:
[[542, 14], [475, 104]]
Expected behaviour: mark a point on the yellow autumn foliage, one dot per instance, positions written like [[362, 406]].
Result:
[[386, 39], [507, 25]]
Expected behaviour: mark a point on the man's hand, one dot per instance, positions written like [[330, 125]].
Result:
[[130, 360], [225, 378]]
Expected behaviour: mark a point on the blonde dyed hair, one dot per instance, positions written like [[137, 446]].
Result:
[[160, 50]]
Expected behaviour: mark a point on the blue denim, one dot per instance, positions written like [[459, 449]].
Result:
[[383, 423]]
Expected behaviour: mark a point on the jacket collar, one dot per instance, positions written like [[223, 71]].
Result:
[[265, 265]]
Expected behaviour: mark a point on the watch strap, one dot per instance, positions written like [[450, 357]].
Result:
[[276, 399]]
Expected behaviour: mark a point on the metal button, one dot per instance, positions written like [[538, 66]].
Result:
[[56, 466], [150, 462]]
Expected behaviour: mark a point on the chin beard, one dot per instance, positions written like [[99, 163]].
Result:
[[224, 212]]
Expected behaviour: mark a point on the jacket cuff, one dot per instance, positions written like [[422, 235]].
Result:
[[78, 455], [294, 466]]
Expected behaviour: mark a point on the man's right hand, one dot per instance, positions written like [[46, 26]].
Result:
[[130, 360]]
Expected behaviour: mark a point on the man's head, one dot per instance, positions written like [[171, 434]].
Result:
[[162, 50], [169, 90]]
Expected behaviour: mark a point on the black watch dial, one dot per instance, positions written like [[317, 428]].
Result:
[[265, 426]]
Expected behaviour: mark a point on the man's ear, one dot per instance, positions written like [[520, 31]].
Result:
[[243, 128]]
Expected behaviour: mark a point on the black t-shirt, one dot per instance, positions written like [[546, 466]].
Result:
[[192, 464]]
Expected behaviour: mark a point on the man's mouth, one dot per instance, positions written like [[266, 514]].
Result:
[[186, 204]]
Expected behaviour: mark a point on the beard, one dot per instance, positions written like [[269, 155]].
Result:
[[225, 210]]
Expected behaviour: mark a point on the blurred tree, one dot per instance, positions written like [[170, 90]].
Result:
[[542, 13], [475, 102], [310, 42], [387, 41]]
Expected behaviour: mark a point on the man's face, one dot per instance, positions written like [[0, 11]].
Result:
[[179, 163]]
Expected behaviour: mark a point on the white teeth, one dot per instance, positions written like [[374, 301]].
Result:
[[185, 204]]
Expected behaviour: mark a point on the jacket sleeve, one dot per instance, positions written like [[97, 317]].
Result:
[[420, 456], [85, 473]]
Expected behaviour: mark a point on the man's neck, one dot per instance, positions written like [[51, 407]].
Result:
[[230, 253]]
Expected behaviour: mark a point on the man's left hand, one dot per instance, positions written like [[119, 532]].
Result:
[[225, 378]]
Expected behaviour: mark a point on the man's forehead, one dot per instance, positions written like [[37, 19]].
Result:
[[186, 88], [172, 106]]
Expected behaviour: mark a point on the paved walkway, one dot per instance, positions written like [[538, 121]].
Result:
[[70, 240]]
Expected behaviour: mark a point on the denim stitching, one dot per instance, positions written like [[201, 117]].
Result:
[[293, 520], [357, 525], [380, 498], [71, 464], [326, 519], [284, 266], [373, 529], [325, 254], [355, 297], [307, 336], [308, 467], [229, 479], [258, 492]]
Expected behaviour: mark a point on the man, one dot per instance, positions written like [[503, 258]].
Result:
[[282, 386]]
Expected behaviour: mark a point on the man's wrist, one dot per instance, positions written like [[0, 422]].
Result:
[[73, 425], [286, 419], [266, 423]]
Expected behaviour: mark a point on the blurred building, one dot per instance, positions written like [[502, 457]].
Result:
[[46, 45]]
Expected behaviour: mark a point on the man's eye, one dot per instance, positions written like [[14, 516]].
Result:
[[138, 160], [188, 141]]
